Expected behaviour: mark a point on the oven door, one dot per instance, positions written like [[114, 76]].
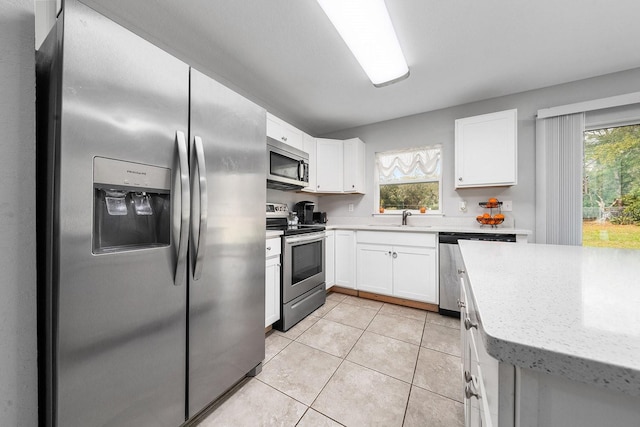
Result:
[[303, 264]]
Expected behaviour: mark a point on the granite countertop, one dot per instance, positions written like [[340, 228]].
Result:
[[274, 233], [563, 310], [440, 228]]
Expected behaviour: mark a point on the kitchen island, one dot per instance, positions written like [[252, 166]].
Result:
[[560, 327]]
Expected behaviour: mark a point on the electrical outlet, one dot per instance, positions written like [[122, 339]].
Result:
[[350, 207], [507, 206], [462, 206]]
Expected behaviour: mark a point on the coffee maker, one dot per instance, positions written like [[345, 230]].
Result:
[[304, 210]]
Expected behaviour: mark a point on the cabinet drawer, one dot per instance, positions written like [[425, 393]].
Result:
[[397, 238], [273, 247]]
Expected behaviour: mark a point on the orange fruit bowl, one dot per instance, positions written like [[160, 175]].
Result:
[[489, 221]]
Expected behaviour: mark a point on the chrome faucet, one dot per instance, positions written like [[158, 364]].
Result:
[[405, 214]]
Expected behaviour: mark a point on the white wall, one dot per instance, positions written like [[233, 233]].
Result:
[[18, 370], [437, 127]]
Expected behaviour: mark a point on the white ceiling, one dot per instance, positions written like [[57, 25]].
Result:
[[286, 55]]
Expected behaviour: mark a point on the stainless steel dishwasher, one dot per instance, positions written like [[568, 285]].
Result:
[[451, 266]]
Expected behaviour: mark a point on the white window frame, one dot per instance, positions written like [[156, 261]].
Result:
[[376, 180]]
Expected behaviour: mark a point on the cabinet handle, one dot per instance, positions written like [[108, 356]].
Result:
[[468, 325], [461, 271], [284, 138], [461, 304], [389, 253], [469, 392], [353, 186], [395, 255], [268, 248], [460, 179], [468, 377]]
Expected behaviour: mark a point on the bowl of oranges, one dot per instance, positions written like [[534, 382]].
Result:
[[489, 218]]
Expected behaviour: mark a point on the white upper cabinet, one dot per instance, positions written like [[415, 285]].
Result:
[[309, 146], [339, 166], [329, 161], [282, 131], [486, 150], [353, 166]]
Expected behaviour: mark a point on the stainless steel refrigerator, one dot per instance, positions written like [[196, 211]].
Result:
[[151, 193]]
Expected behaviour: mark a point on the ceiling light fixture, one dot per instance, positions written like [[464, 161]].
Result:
[[366, 28]]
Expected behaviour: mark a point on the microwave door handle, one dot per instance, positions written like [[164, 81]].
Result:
[[202, 233], [300, 170], [185, 210]]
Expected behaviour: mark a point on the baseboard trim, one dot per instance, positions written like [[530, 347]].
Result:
[[385, 298]]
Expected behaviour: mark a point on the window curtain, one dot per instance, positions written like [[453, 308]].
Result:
[[559, 157], [419, 163]]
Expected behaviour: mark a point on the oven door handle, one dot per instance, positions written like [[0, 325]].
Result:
[[305, 238]]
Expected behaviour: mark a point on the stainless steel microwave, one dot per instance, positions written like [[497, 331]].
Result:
[[287, 167]]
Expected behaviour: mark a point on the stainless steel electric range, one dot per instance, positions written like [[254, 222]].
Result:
[[302, 284]]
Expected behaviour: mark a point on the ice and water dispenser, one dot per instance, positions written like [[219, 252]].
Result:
[[132, 206]]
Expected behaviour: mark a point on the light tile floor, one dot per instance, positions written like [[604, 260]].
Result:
[[354, 362]]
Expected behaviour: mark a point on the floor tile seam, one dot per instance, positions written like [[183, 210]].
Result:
[[439, 394], [284, 394], [354, 345], [441, 352], [325, 352], [387, 336], [362, 306], [400, 317], [375, 370], [393, 338], [321, 413], [444, 326], [377, 310], [322, 389], [279, 351], [341, 323], [405, 316], [406, 408]]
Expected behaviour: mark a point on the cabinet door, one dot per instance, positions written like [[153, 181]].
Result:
[[414, 273], [374, 270], [309, 146], [486, 150], [272, 291], [353, 175], [282, 131], [329, 261], [329, 161], [345, 259]]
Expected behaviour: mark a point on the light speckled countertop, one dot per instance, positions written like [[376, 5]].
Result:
[[563, 310], [440, 228]]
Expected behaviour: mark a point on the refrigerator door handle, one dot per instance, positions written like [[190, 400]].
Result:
[[185, 210], [202, 233]]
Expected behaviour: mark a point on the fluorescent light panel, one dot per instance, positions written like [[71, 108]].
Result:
[[367, 30]]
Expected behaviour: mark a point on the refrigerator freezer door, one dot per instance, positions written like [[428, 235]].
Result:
[[118, 321], [226, 304]]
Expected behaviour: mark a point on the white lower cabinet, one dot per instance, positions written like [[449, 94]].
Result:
[[499, 394], [272, 282], [375, 271], [329, 259], [414, 273], [488, 384], [398, 264], [345, 256]]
